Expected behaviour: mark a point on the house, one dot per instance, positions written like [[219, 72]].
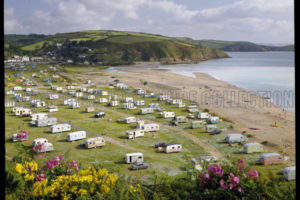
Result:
[[102, 100], [53, 96], [270, 159], [146, 111], [211, 128], [134, 157], [212, 120], [38, 116], [9, 104], [59, 128], [139, 102], [132, 134], [197, 124], [26, 98], [44, 122], [90, 97], [140, 91], [21, 136], [75, 105], [147, 127], [289, 173], [78, 94], [128, 120], [163, 97], [78, 135], [52, 108], [113, 103], [128, 106], [203, 115], [166, 114], [94, 142], [253, 147], [69, 101], [89, 109], [127, 99], [25, 59], [122, 86], [172, 148], [234, 138], [18, 88], [10, 92]]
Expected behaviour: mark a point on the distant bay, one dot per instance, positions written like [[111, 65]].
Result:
[[263, 72]]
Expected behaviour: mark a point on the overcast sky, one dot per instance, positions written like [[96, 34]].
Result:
[[260, 21]]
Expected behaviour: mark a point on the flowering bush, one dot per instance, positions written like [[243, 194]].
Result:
[[59, 179], [229, 181], [39, 147]]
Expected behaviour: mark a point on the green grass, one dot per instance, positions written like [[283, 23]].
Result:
[[35, 46]]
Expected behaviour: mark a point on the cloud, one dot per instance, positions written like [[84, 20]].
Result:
[[241, 20]]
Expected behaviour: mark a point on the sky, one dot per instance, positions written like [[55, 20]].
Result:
[[259, 21]]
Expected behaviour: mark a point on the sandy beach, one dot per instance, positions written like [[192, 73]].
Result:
[[244, 109]]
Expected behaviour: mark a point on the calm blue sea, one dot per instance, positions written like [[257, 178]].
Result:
[[270, 73]]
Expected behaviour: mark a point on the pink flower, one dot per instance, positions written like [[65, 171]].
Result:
[[216, 169], [40, 177], [252, 173], [239, 189], [223, 184], [73, 164], [234, 180], [241, 164], [61, 157]]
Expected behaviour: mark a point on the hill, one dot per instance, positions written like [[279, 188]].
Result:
[[237, 46], [110, 47]]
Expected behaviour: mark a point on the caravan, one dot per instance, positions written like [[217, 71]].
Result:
[[165, 114], [38, 116], [44, 122], [78, 135], [134, 157], [94, 142], [132, 134], [59, 128], [147, 127]]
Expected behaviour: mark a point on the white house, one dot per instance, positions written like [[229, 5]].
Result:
[[128, 120], [38, 116], [69, 101], [75, 105], [140, 91], [122, 86], [18, 88], [59, 128], [114, 103], [90, 97], [203, 115], [132, 134], [78, 94], [37, 103], [163, 97], [10, 92]]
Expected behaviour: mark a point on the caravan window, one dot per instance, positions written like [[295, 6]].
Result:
[[178, 147], [173, 147], [140, 157]]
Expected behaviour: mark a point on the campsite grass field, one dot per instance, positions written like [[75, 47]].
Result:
[[112, 155]]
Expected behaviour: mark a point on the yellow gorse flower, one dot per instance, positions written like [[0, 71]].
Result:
[[79, 184]]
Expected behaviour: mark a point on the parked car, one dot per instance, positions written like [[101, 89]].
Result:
[[99, 114], [139, 165], [215, 132], [160, 144]]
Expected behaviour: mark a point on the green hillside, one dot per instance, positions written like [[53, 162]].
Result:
[[110, 47], [242, 46]]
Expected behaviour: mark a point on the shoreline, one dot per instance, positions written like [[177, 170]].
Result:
[[154, 66]]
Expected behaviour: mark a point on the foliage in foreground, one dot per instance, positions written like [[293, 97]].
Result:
[[61, 179]]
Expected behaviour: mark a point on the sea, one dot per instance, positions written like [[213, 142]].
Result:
[[269, 74]]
